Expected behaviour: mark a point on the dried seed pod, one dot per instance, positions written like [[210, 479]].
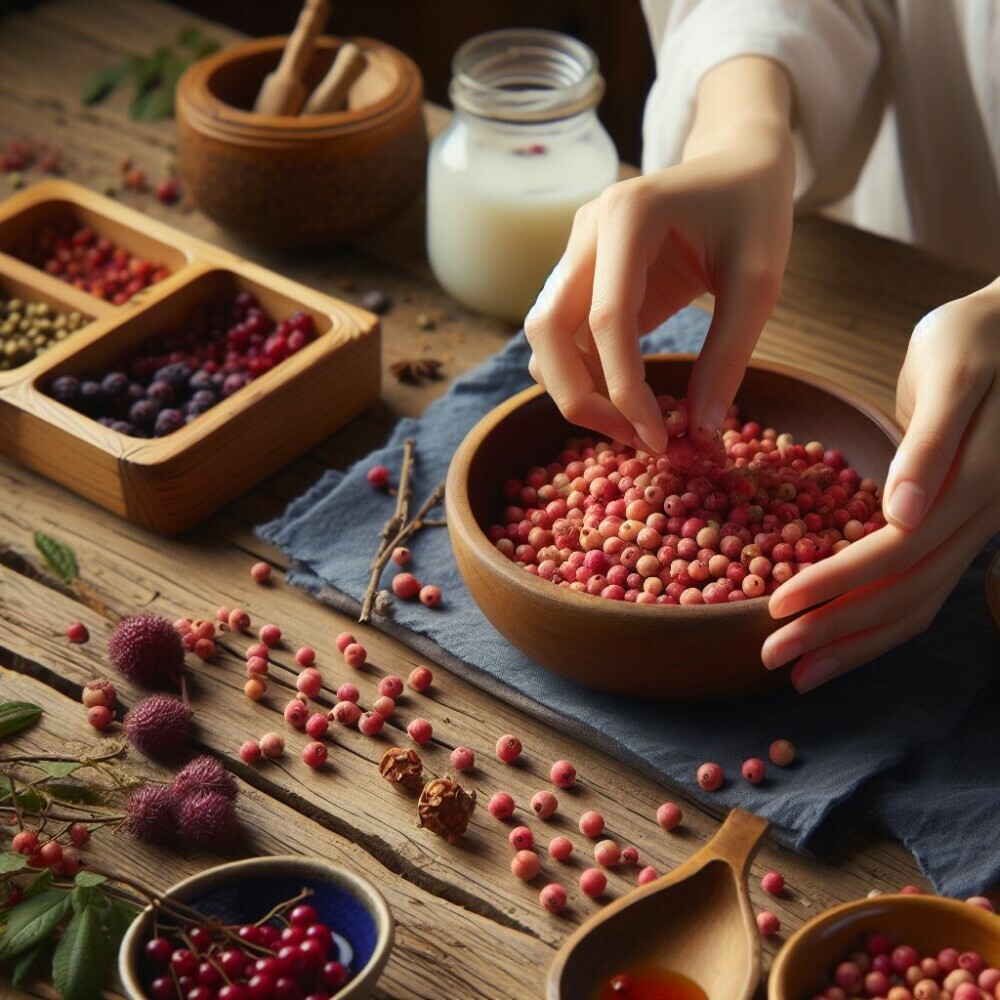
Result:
[[444, 808], [403, 766]]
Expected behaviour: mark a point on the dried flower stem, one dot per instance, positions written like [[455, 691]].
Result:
[[402, 534], [32, 758], [87, 813]]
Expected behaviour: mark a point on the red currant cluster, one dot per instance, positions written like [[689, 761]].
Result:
[[51, 852], [92, 263], [284, 958], [683, 527]]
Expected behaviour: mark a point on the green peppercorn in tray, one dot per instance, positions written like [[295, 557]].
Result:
[[155, 374]]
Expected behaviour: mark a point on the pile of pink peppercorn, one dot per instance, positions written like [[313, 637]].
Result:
[[685, 527], [176, 376]]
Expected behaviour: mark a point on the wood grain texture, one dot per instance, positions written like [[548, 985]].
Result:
[[466, 927]]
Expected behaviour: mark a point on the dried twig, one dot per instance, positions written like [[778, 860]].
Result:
[[403, 533]]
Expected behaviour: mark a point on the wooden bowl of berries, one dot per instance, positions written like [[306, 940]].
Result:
[[914, 946], [323, 929], [301, 179], [649, 575]]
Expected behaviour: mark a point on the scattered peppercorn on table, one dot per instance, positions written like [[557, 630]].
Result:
[[466, 927]]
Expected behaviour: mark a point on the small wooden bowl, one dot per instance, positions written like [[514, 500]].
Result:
[[301, 181], [682, 653], [928, 923], [244, 891]]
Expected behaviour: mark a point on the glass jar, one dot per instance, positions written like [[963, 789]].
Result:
[[523, 151]]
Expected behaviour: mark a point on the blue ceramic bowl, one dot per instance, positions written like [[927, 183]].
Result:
[[243, 891]]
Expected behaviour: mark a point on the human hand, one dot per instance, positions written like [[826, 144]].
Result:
[[941, 499], [718, 222]]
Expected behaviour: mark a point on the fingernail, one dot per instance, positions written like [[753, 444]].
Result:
[[712, 417], [814, 674], [907, 504], [786, 651], [655, 439]]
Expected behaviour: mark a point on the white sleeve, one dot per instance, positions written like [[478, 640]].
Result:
[[835, 52]]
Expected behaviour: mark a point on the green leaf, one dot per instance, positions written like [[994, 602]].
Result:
[[73, 790], [120, 918], [59, 556], [24, 966], [101, 83], [17, 715], [11, 862], [189, 36], [81, 958], [39, 883], [87, 879], [32, 921], [29, 800], [58, 768]]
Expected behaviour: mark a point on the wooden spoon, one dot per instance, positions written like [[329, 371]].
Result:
[[283, 92], [696, 920]]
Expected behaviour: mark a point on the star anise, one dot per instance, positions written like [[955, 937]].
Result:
[[415, 370]]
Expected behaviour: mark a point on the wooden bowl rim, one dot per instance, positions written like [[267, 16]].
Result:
[[319, 868], [462, 522], [198, 103], [858, 909]]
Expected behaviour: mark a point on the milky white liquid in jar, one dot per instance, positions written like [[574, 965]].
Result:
[[523, 152]]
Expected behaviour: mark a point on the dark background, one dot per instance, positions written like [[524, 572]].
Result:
[[429, 31]]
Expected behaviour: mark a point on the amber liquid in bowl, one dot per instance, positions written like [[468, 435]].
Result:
[[651, 984]]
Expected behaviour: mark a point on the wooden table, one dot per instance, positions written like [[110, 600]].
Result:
[[466, 927]]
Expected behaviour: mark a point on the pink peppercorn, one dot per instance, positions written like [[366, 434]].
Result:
[[563, 774], [966, 991], [100, 717], [400, 555], [257, 649], [508, 748], [355, 655], [560, 848], [314, 754], [544, 804], [250, 752], [463, 759], [877, 943], [768, 924], [648, 874], [903, 957], [947, 958], [296, 713], [420, 678], [77, 632], [348, 692], [911, 890], [982, 902], [525, 865], [552, 897], [204, 649], [390, 686], [270, 635], [405, 586], [309, 682], [781, 752], [593, 882], [591, 824], [317, 725], [260, 572], [607, 853], [239, 621], [420, 731], [669, 815], [877, 984], [222, 614], [430, 595], [369, 723], [343, 641], [501, 805], [753, 770], [305, 656], [378, 477], [255, 688], [346, 713], [971, 961], [272, 745], [384, 705], [630, 855], [773, 883], [521, 838], [710, 776]]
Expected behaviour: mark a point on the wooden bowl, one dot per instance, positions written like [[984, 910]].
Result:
[[928, 923], [244, 891], [658, 651], [301, 181]]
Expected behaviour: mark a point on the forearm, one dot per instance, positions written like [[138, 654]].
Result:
[[744, 102]]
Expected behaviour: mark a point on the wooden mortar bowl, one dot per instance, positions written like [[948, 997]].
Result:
[[301, 181], [657, 651], [928, 923]]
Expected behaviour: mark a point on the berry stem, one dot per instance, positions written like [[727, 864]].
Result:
[[85, 761], [304, 894], [385, 550], [44, 814]]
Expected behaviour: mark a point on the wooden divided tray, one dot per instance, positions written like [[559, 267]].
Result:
[[169, 483]]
